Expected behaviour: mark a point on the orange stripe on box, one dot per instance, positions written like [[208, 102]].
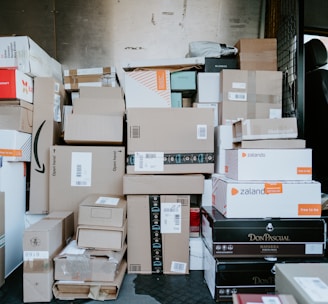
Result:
[[161, 80], [272, 188], [11, 152], [304, 170], [309, 209]]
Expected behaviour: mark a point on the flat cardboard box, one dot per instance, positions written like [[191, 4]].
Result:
[[76, 264], [15, 146], [307, 282], [262, 237], [101, 237], [244, 298], [271, 144], [22, 53], [17, 117], [266, 128], [257, 54], [269, 164], [145, 89], [102, 210], [163, 184], [38, 279], [196, 256], [42, 240], [49, 100], [102, 170], [157, 243], [2, 238], [99, 291], [174, 140], [13, 184], [259, 199]]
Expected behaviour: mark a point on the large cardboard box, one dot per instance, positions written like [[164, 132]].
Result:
[[165, 141], [2, 238], [145, 89], [99, 291], [262, 237], [102, 210], [77, 171], [269, 164], [307, 282], [22, 53], [258, 199], [257, 54], [15, 146], [266, 128], [13, 184], [14, 84], [17, 116], [244, 298], [49, 99], [79, 264]]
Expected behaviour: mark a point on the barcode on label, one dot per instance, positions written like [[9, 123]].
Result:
[[78, 170], [178, 267], [134, 132], [201, 132]]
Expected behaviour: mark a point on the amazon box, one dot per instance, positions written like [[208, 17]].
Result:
[[49, 99]]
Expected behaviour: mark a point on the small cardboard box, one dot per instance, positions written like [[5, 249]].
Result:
[[208, 87], [76, 264], [244, 298], [17, 117], [253, 129], [269, 164], [14, 84], [2, 238], [258, 199], [70, 290], [307, 282], [184, 81], [102, 210], [257, 54], [215, 65], [101, 237], [147, 89], [183, 141], [15, 145]]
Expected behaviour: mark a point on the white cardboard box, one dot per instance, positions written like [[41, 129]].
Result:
[[269, 164], [208, 87], [15, 145], [222, 141], [259, 199]]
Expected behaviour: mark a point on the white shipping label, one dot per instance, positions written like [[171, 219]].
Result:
[[170, 217], [149, 161], [201, 131], [237, 96], [81, 169], [112, 201], [314, 287], [36, 255]]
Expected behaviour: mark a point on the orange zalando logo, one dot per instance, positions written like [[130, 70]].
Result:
[[234, 191], [243, 154]]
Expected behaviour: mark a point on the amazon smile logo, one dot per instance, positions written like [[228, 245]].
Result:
[[41, 168]]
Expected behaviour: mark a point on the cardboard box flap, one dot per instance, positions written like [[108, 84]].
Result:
[[87, 105]]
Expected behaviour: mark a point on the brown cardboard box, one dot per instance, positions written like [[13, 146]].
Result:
[[2, 238], [101, 237], [170, 140], [38, 278], [76, 264], [77, 171], [102, 210], [46, 132], [18, 116], [307, 282], [257, 54], [67, 218], [100, 291]]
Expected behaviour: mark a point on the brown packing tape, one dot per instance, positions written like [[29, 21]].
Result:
[[105, 70]]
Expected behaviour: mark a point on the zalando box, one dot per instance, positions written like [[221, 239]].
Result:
[[77, 171], [15, 146], [102, 210], [14, 84], [16, 116], [258, 199], [174, 140], [145, 89], [49, 99], [269, 164], [22, 53]]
